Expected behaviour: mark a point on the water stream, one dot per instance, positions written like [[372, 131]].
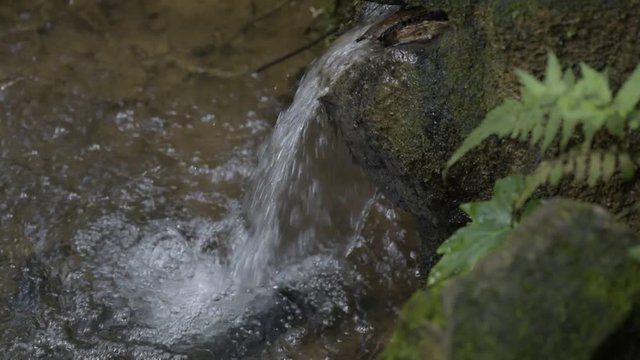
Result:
[[150, 213], [288, 197]]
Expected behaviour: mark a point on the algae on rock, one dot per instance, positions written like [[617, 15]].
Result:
[[557, 289], [405, 110]]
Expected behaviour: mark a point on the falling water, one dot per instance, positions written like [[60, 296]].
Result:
[[286, 197]]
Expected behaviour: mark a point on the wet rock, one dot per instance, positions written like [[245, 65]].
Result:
[[392, 111], [557, 290], [404, 110], [312, 297]]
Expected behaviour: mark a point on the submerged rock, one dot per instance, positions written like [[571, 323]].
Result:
[[558, 289]]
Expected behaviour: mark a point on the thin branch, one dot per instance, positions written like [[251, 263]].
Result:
[[295, 52]]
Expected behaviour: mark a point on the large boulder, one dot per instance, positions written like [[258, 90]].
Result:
[[559, 287], [405, 110]]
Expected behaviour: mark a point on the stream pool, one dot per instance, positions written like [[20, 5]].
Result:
[[134, 159]]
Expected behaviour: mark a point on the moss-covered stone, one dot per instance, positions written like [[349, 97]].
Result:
[[558, 288], [394, 118], [405, 110]]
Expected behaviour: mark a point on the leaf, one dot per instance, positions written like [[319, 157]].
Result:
[[571, 120], [634, 252], [553, 76], [595, 85], [615, 124], [530, 83], [608, 165], [556, 108], [580, 174], [490, 224], [551, 130], [569, 79], [465, 248], [629, 94], [497, 122], [595, 169], [499, 209], [530, 207], [627, 167], [536, 125], [533, 182], [634, 120], [556, 173]]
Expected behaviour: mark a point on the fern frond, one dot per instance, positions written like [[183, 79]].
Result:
[[498, 122], [556, 107], [629, 94], [591, 167]]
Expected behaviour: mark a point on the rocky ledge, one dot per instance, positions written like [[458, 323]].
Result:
[[563, 287]]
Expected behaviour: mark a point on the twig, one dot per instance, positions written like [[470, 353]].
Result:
[[263, 15], [231, 73], [295, 52], [209, 48], [209, 71]]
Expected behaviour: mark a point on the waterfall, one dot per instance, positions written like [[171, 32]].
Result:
[[287, 211]]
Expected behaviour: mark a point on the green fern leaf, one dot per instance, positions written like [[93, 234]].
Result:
[[498, 122], [526, 121], [569, 79], [615, 125], [537, 132], [595, 169], [608, 165], [530, 83], [627, 167], [553, 75], [532, 182], [634, 253], [594, 86], [571, 121], [629, 94], [592, 123], [592, 167], [556, 173], [490, 224], [634, 120], [569, 166], [553, 109], [580, 174], [551, 130]]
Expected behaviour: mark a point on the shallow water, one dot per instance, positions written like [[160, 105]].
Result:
[[132, 168]]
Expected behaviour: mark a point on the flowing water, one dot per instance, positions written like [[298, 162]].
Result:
[[148, 211], [305, 178]]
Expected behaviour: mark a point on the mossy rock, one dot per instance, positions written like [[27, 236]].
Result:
[[404, 111], [395, 121], [559, 287]]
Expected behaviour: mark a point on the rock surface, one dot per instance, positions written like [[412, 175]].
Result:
[[559, 287], [404, 111]]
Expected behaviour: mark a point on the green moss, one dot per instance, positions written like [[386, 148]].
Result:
[[419, 331], [559, 287], [573, 255], [402, 125], [489, 40]]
